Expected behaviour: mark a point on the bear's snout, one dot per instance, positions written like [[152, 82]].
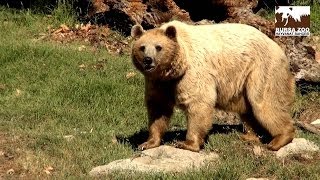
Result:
[[148, 63]]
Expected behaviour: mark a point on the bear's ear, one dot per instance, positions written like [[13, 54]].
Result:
[[171, 32], [137, 31]]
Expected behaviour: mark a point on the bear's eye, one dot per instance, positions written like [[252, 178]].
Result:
[[142, 48], [158, 47]]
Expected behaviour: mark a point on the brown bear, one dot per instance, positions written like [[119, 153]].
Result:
[[233, 67]]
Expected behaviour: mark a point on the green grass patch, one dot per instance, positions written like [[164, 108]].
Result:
[[315, 18], [49, 90]]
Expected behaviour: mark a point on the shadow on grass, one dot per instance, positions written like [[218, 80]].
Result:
[[306, 87], [175, 135]]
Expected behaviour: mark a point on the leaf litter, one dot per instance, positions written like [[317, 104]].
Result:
[[97, 36]]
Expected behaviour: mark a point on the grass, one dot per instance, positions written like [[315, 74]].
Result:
[[315, 18], [45, 95]]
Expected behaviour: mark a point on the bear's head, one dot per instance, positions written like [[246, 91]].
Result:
[[155, 53]]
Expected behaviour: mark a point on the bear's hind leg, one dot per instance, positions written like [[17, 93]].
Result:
[[280, 140], [270, 91], [278, 123]]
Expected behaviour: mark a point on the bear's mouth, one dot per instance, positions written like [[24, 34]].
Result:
[[149, 68]]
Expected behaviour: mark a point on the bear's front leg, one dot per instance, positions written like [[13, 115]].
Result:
[[200, 117], [250, 126], [159, 113]]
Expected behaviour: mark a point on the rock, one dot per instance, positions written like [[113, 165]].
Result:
[[302, 56], [161, 159], [297, 146], [245, 15]]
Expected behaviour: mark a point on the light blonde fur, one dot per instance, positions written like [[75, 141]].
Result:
[[233, 67]]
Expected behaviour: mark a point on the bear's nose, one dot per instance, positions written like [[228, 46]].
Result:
[[147, 60]]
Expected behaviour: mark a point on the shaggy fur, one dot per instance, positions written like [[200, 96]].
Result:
[[233, 67]]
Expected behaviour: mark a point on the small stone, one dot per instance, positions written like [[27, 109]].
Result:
[[114, 140], [68, 137], [18, 92], [81, 48], [77, 26], [64, 28], [82, 66], [297, 146], [316, 122], [10, 171], [48, 170], [8, 156], [300, 75], [257, 150], [130, 75], [315, 38], [2, 86]]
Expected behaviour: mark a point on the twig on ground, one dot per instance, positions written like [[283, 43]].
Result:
[[308, 127]]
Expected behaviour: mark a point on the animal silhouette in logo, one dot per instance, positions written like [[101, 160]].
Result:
[[294, 12]]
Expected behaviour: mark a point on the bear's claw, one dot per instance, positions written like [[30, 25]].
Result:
[[148, 145], [187, 145]]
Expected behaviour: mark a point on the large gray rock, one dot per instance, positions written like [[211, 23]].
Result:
[[161, 159], [301, 52], [297, 146]]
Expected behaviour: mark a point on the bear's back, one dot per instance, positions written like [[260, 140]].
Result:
[[225, 31], [225, 38]]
